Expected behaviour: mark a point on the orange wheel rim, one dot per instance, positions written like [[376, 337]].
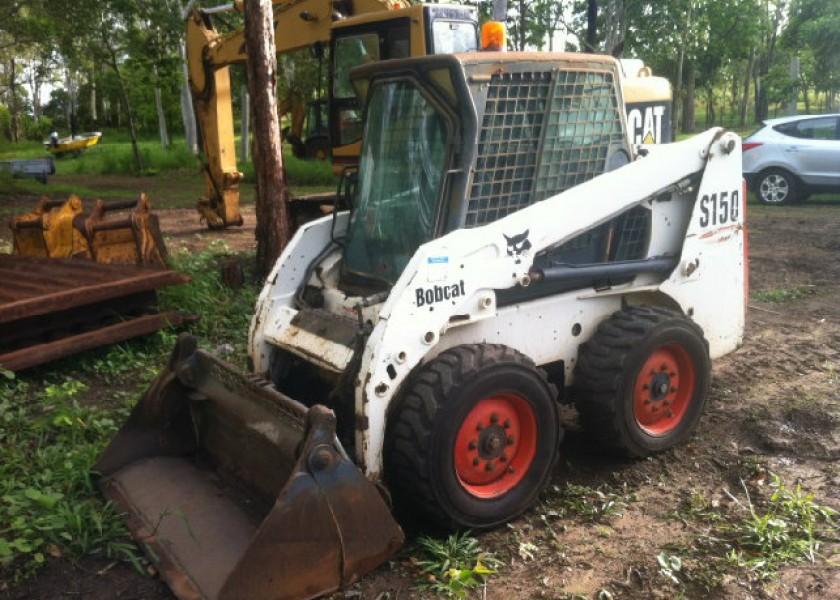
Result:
[[663, 389], [495, 446]]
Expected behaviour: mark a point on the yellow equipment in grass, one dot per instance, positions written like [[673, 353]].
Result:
[[107, 234]]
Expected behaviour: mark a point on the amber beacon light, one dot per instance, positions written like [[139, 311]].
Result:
[[493, 36]]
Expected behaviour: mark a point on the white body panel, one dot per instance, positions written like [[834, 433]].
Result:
[[446, 295]]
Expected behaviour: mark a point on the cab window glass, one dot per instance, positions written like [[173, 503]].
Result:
[[817, 129], [811, 129], [453, 37], [352, 51]]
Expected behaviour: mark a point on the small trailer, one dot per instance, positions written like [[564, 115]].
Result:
[[34, 168]]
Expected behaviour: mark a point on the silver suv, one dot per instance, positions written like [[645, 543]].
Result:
[[790, 158]]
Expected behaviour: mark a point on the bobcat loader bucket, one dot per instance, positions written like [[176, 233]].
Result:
[[132, 238], [48, 229], [237, 491]]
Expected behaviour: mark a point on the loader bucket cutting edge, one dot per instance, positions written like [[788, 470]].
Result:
[[236, 491]]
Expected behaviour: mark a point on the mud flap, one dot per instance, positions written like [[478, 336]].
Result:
[[236, 491]]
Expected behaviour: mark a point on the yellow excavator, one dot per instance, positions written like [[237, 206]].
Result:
[[647, 103], [357, 32]]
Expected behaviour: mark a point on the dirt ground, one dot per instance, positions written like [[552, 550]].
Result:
[[775, 407]]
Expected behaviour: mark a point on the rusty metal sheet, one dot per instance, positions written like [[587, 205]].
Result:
[[38, 354], [50, 308], [36, 286]]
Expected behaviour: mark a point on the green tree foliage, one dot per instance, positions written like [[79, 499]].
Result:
[[813, 31], [105, 59]]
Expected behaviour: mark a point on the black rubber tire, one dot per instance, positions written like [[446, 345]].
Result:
[[424, 424], [610, 364], [318, 148], [776, 187]]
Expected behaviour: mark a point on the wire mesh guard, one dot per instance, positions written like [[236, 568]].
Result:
[[573, 114]]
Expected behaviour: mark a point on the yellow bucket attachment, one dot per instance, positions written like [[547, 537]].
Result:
[[48, 229], [237, 491], [132, 238], [59, 229]]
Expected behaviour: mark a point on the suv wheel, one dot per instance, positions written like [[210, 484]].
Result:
[[776, 187]]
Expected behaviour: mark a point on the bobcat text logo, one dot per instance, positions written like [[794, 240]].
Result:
[[518, 244], [439, 293]]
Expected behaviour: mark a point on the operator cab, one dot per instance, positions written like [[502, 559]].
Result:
[[455, 142]]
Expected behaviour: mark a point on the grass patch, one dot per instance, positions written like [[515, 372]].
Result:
[[595, 505], [788, 528], [224, 314], [115, 156], [118, 159], [55, 421], [784, 294], [754, 534], [50, 507], [453, 566]]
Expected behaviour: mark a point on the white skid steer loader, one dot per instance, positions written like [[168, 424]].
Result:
[[506, 251]]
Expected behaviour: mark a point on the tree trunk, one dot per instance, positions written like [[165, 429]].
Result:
[[164, 136], [245, 150], [187, 112], [794, 77], [93, 114], [746, 97], [500, 10], [676, 122], [591, 25], [132, 131], [522, 10], [13, 103], [273, 223], [710, 105], [688, 121]]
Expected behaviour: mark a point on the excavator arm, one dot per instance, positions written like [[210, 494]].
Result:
[[298, 24]]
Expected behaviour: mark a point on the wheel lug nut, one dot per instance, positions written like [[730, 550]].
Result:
[[647, 401], [645, 387], [494, 418], [475, 462], [670, 414], [503, 458], [664, 367], [480, 426], [654, 408], [507, 424], [672, 374], [473, 445], [510, 440], [667, 403], [673, 389], [510, 469], [490, 466]]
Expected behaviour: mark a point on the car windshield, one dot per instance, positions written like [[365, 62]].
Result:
[[402, 160]]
